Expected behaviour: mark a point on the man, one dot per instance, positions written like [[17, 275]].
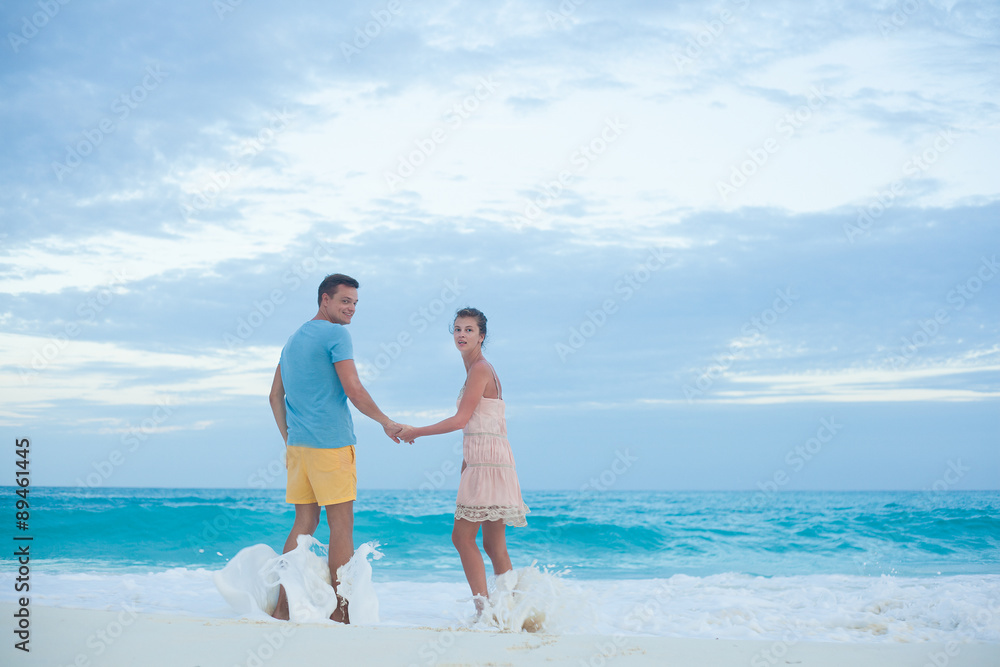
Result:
[[315, 377]]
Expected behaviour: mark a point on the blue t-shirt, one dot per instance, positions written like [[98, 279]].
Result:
[[315, 402]]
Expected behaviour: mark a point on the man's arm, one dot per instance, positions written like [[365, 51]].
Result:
[[362, 400], [277, 399]]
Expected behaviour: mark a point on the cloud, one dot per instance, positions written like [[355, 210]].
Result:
[[178, 181], [962, 382]]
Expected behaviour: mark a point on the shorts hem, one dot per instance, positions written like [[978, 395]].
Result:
[[317, 502], [338, 502]]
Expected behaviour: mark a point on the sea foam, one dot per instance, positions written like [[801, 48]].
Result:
[[835, 608], [250, 582], [535, 600]]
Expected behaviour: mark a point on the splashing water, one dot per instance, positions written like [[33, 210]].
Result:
[[356, 587], [305, 574], [250, 581], [243, 585], [534, 600]]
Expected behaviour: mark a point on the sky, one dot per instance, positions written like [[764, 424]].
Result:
[[731, 245]]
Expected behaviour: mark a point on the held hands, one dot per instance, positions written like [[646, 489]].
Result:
[[392, 430], [407, 434], [399, 432]]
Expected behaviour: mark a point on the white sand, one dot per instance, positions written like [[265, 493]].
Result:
[[61, 637]]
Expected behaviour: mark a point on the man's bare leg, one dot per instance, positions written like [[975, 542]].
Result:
[[306, 521], [341, 520]]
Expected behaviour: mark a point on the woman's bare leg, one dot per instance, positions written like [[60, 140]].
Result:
[[463, 536], [495, 544]]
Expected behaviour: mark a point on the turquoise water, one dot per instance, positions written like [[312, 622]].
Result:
[[595, 536]]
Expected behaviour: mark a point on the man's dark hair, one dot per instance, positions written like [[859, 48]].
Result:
[[330, 283]]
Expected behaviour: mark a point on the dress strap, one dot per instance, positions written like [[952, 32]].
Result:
[[496, 382]]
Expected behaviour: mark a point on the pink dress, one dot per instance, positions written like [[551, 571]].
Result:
[[488, 489]]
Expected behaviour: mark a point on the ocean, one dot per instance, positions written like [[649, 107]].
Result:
[[784, 566]]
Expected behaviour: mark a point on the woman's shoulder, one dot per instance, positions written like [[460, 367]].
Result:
[[486, 374], [481, 372], [483, 367]]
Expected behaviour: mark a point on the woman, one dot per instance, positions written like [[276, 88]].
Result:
[[488, 492]]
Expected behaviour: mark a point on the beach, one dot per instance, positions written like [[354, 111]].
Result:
[[132, 577], [62, 637]]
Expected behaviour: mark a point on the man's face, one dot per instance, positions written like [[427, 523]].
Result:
[[339, 308]]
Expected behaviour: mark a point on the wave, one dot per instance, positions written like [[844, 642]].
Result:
[[607, 536]]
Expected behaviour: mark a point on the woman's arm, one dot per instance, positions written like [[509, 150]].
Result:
[[479, 375]]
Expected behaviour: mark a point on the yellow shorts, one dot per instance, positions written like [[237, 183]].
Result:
[[321, 476]]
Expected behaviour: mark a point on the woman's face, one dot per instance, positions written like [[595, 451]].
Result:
[[466, 334]]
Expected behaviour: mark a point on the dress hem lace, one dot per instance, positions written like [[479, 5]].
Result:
[[511, 516]]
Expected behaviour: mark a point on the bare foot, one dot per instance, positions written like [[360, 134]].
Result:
[[281, 609], [340, 614]]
